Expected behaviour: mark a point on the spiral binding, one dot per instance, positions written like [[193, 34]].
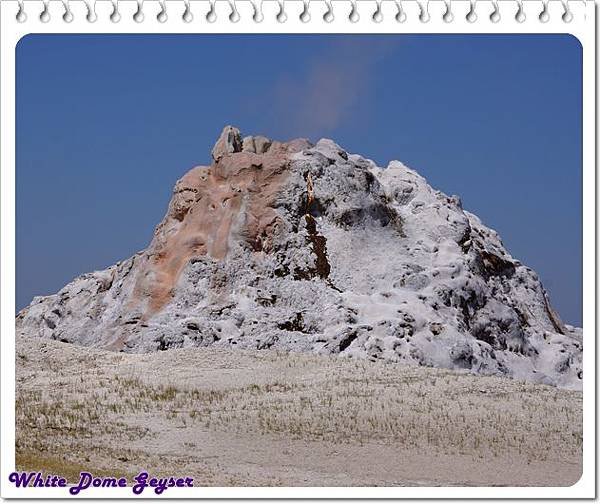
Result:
[[305, 15]]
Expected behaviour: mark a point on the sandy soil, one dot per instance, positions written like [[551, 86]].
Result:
[[241, 418]]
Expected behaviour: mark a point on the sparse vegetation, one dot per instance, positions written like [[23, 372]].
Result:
[[95, 409]]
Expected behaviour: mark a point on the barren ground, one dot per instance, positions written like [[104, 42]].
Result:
[[242, 418]]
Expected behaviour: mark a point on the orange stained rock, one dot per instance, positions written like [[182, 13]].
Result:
[[231, 199]]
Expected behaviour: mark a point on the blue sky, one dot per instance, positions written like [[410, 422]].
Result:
[[106, 124]]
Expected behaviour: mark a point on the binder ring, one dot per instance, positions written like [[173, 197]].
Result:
[[161, 17], [187, 15], [544, 16], [400, 15], [305, 16], [138, 17], [471, 15], [234, 15], [448, 17], [21, 17], [354, 16], [68, 15], [45, 14], [328, 16], [378, 15], [91, 16], [281, 15], [211, 15], [115, 16], [257, 15], [520, 15], [495, 15], [567, 16], [424, 16]]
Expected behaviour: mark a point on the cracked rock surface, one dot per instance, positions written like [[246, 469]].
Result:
[[308, 248]]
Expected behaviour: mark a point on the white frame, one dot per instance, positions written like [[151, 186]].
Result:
[[582, 27]]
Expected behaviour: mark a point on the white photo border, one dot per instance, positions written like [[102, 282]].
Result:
[[582, 27]]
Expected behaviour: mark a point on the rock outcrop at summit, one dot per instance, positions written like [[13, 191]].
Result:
[[308, 248]]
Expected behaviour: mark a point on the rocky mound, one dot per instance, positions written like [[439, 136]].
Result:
[[308, 248]]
